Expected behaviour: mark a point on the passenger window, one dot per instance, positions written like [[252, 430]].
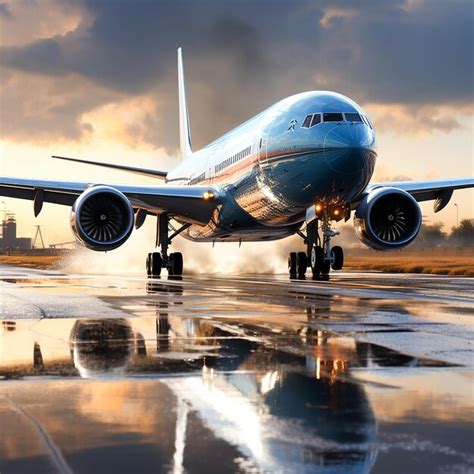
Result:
[[307, 121], [316, 119], [353, 117], [333, 117]]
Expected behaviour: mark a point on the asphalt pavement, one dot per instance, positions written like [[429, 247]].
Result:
[[365, 372]]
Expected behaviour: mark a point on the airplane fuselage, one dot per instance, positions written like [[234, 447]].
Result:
[[310, 147]]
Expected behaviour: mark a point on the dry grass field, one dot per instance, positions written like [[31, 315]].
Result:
[[32, 261], [444, 262], [408, 263]]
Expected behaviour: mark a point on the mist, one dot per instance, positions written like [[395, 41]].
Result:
[[222, 258], [228, 258]]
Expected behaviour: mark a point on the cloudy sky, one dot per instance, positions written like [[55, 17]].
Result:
[[97, 79]]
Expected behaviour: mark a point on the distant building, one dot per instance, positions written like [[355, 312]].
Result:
[[8, 238]]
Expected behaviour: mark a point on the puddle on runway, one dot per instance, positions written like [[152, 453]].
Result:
[[175, 394], [203, 375]]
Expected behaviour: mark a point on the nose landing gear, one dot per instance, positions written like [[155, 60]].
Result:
[[319, 256], [156, 261]]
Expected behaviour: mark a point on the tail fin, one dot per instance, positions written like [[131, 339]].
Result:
[[184, 130]]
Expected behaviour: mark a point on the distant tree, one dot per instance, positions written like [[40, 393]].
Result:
[[464, 234], [431, 235]]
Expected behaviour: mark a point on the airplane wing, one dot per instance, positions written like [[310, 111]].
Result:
[[439, 190], [129, 169], [194, 204]]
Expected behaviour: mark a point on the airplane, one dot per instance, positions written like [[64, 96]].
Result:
[[295, 168]]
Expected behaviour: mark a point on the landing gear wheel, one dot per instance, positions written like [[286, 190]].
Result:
[[176, 264], [317, 259], [337, 258], [325, 267], [156, 264], [301, 263], [148, 264], [292, 264]]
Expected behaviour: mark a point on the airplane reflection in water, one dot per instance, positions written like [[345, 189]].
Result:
[[290, 405]]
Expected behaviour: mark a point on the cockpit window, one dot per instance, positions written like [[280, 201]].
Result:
[[307, 121], [367, 121], [353, 117], [333, 117], [316, 119]]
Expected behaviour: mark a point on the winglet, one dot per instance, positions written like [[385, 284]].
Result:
[[184, 129]]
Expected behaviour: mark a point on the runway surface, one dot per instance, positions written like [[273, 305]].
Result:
[[362, 373]]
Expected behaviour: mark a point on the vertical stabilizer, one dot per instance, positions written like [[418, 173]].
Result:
[[184, 130]]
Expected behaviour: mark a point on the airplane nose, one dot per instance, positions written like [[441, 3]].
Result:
[[349, 148]]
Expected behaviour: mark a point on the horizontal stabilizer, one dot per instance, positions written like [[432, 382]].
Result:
[[129, 169]]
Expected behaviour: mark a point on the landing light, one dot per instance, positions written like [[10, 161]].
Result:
[[336, 212], [208, 195], [318, 208]]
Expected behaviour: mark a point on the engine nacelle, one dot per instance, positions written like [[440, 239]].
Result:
[[102, 218], [387, 219]]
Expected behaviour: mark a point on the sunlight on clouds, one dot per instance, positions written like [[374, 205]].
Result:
[[28, 21], [41, 109], [411, 5], [420, 119], [335, 13], [126, 121]]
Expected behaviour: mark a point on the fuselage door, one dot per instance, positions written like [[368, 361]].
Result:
[[210, 163]]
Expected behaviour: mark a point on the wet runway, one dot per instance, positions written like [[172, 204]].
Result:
[[362, 373]]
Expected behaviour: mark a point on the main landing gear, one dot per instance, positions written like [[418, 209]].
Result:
[[156, 261], [319, 256]]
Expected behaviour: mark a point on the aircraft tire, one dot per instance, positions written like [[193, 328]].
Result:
[[148, 264], [156, 264], [317, 259], [325, 267], [292, 264], [301, 263], [337, 259], [176, 267]]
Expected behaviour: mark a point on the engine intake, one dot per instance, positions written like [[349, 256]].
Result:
[[102, 218], [387, 219]]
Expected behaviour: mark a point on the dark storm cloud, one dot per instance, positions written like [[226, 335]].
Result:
[[243, 55], [5, 11], [418, 56], [130, 45]]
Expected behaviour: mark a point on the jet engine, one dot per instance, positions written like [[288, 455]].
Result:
[[387, 219], [102, 218]]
